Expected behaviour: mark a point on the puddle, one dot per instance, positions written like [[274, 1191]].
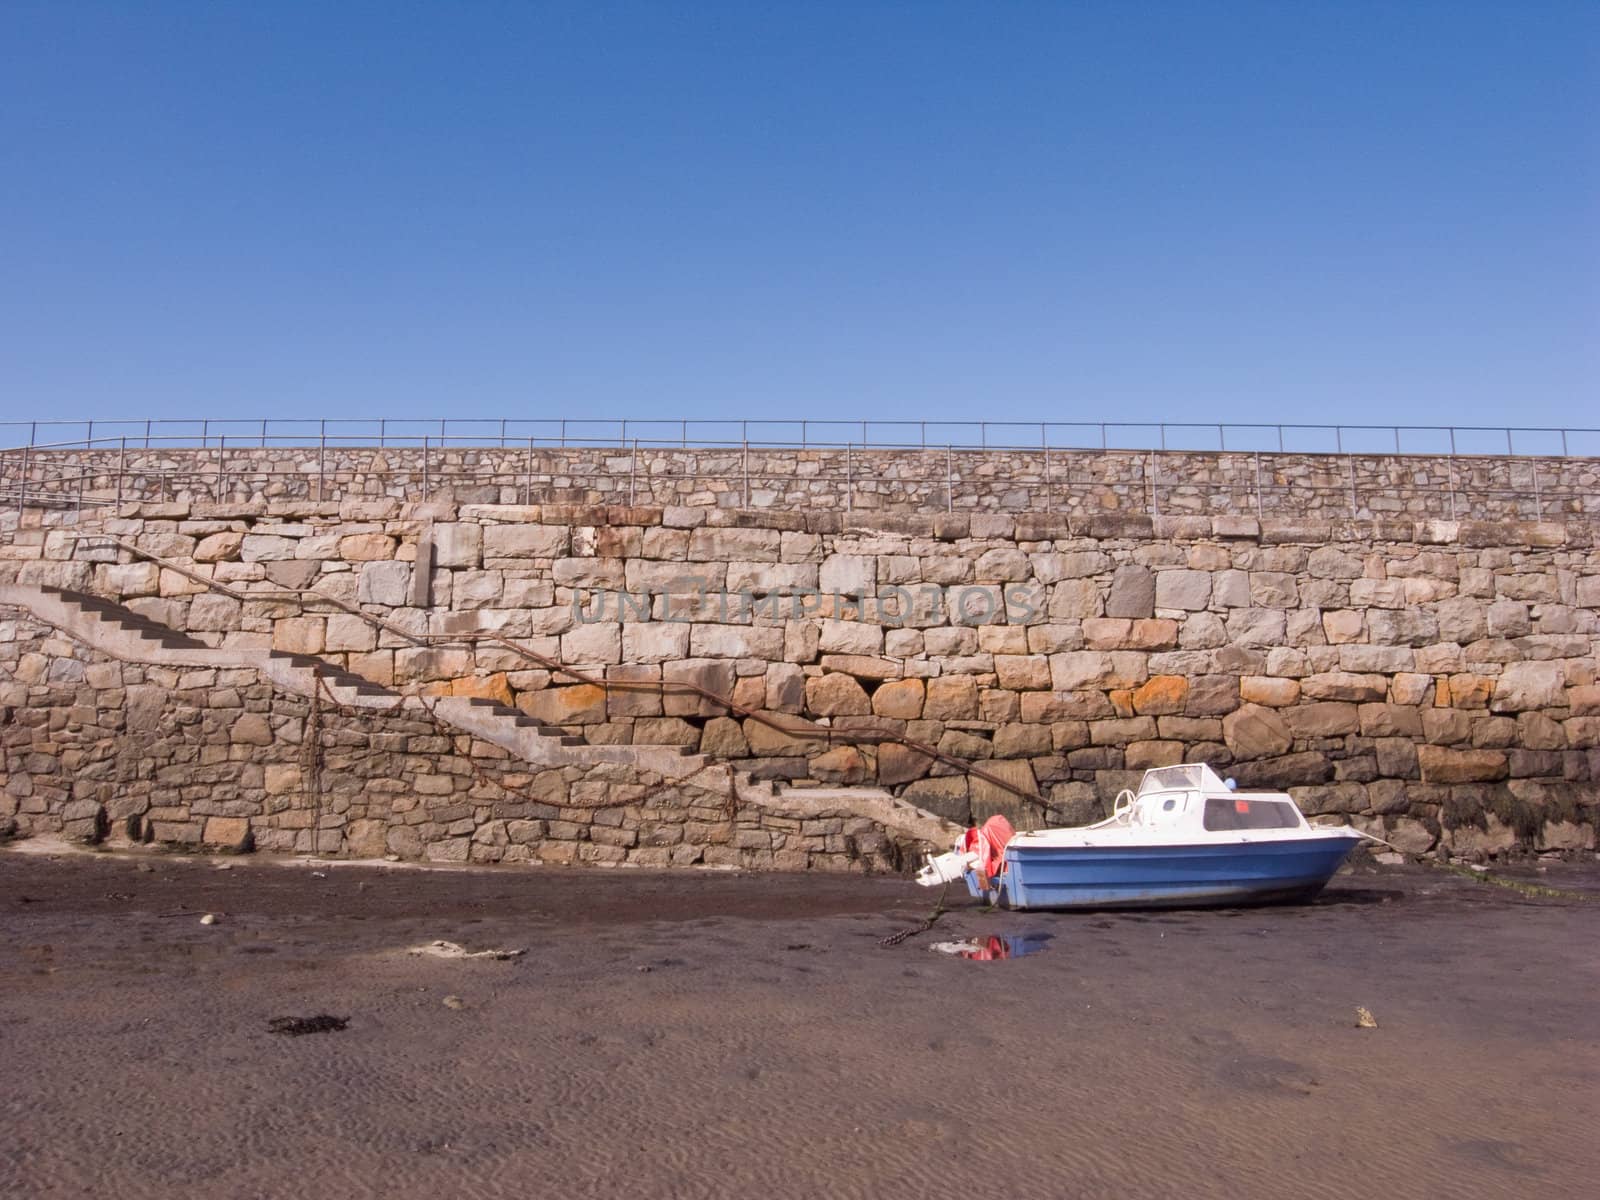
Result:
[[996, 946]]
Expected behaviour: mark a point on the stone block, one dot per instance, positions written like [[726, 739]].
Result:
[[595, 643], [219, 547], [349, 633], [654, 641], [1077, 669], [1268, 690], [1002, 565], [231, 833], [1074, 599], [736, 641], [1253, 731], [1183, 589], [845, 637], [1329, 718], [1440, 764], [384, 583], [1529, 685], [215, 613], [299, 635], [951, 698], [525, 541], [1142, 756], [1273, 589], [366, 547], [1161, 695], [457, 544], [900, 699], [836, 694], [1212, 695], [1133, 592], [1390, 720], [716, 676], [580, 704], [735, 545], [1344, 685], [785, 687], [1256, 627], [848, 574]]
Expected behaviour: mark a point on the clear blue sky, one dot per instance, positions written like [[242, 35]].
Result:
[[1275, 212]]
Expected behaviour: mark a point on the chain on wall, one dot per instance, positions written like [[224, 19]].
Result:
[[311, 763]]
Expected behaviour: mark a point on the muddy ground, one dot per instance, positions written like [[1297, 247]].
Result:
[[695, 1035]]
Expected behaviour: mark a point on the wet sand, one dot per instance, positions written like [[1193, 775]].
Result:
[[734, 1035]]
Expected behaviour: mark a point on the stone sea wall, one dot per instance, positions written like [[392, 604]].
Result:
[[1433, 681], [1265, 484]]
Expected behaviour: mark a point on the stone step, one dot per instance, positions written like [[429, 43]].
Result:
[[494, 721]]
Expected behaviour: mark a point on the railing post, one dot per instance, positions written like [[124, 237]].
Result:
[[1049, 489], [382, 431], [1153, 479], [322, 460], [427, 491], [222, 465], [1258, 485], [1538, 503], [1350, 463], [1509, 450], [122, 462], [1451, 466], [22, 482]]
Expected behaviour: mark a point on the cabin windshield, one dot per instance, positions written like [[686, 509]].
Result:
[[1189, 775], [1242, 812]]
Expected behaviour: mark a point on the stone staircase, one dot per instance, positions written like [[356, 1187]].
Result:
[[123, 634]]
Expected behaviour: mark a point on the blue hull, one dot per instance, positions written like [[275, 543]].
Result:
[[1168, 876]]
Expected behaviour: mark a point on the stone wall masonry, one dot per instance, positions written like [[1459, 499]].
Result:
[[1434, 681], [95, 748], [1266, 484]]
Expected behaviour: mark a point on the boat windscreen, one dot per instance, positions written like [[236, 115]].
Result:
[[1242, 813], [1187, 775]]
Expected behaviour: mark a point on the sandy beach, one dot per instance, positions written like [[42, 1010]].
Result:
[[708, 1035]]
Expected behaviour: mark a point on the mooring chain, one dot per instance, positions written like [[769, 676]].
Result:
[[894, 939]]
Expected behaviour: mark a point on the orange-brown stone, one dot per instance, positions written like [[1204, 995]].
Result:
[[1161, 695]]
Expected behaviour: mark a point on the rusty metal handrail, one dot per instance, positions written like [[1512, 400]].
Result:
[[808, 732]]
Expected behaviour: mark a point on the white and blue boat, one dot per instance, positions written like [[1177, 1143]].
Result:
[[1185, 839]]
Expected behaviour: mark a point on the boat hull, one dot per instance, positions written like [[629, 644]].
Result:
[[1190, 876]]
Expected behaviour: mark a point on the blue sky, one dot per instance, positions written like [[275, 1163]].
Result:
[[1135, 211]]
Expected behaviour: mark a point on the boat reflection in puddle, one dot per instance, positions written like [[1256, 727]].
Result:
[[995, 947]]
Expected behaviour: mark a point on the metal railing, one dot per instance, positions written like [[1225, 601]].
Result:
[[803, 433]]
